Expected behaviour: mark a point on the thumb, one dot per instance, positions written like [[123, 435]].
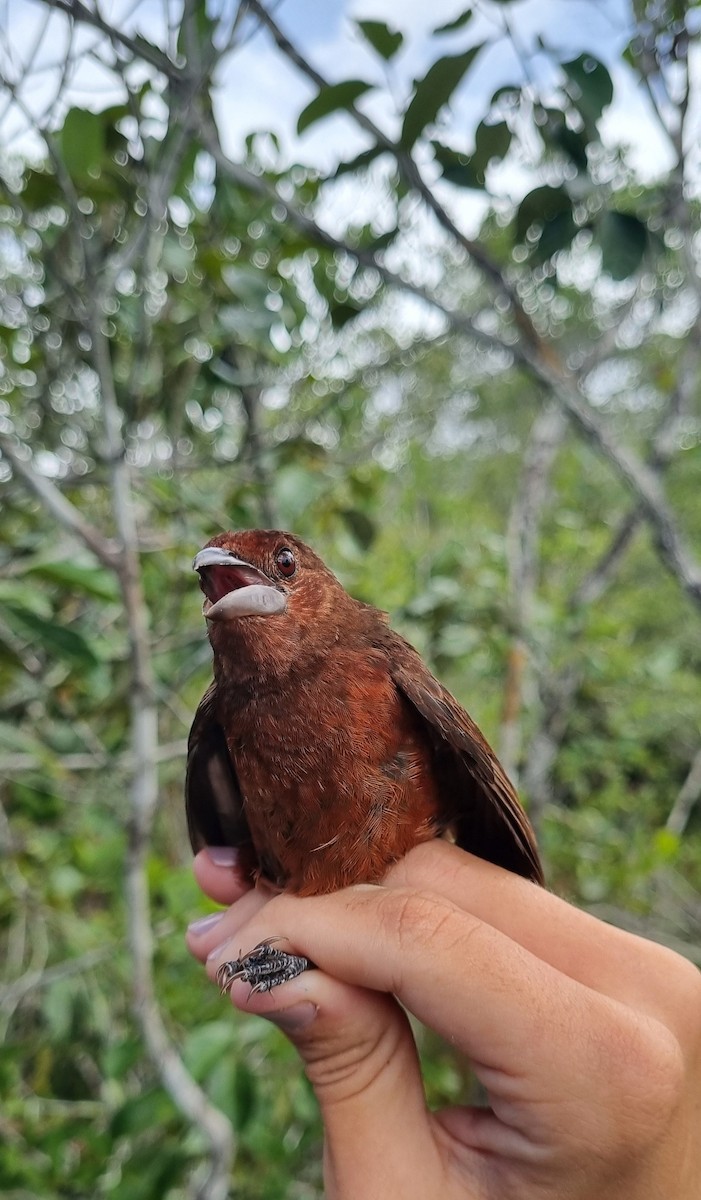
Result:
[[360, 1057]]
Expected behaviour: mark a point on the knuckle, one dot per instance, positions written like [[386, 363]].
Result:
[[685, 988], [649, 1075], [421, 920], [665, 1074], [678, 996]]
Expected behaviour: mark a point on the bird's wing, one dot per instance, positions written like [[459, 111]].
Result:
[[480, 802], [213, 803]]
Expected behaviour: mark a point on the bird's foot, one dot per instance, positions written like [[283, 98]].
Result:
[[264, 967]]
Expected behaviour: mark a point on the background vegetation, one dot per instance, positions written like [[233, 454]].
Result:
[[491, 432]]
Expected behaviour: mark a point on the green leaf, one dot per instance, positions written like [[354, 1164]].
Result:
[[432, 92], [571, 142], [459, 23], [589, 87], [361, 526], [296, 490], [343, 311], [82, 142], [623, 240], [540, 205], [556, 234], [249, 325], [40, 190], [247, 283], [330, 99], [667, 844], [14, 737], [206, 1045], [383, 39], [145, 1111], [383, 240], [16, 591], [234, 1089], [96, 581], [120, 1057], [457, 168], [491, 141], [361, 160], [57, 640], [246, 1090]]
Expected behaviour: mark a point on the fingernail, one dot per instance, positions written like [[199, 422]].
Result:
[[295, 1018], [202, 924], [223, 856], [218, 949]]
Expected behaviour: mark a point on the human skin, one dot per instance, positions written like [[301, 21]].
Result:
[[586, 1038]]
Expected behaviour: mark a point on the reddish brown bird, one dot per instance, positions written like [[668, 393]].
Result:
[[324, 748]]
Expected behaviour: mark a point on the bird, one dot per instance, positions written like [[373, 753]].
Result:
[[324, 748]]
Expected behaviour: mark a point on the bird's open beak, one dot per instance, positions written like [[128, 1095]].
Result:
[[233, 588]]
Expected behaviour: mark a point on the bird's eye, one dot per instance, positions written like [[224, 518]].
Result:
[[285, 562]]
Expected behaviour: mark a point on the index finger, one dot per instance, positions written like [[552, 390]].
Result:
[[612, 961], [486, 995]]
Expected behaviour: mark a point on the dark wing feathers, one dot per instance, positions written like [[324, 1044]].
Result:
[[488, 818], [481, 805], [215, 815]]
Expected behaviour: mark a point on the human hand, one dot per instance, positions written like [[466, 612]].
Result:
[[586, 1038]]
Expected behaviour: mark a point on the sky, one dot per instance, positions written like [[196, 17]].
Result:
[[258, 90], [326, 32]]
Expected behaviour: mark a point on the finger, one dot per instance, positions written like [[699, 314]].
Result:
[[206, 934], [360, 1057], [217, 871], [483, 992], [600, 956]]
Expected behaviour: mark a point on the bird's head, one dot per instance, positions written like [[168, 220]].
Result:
[[268, 598]]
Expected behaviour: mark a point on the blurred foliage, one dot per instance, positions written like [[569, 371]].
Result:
[[264, 377]]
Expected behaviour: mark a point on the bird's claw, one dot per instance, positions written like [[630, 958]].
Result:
[[264, 967]]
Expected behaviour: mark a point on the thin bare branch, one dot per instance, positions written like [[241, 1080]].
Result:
[[541, 357], [143, 789], [645, 484], [664, 447], [139, 47], [61, 509], [538, 348], [259, 186], [557, 688], [33, 981], [19, 762], [522, 542], [687, 798]]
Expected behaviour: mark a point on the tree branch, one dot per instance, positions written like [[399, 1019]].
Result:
[[139, 46], [688, 796], [522, 545], [558, 688], [32, 981], [61, 509], [414, 178], [644, 482], [259, 186], [544, 364], [187, 1094]]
